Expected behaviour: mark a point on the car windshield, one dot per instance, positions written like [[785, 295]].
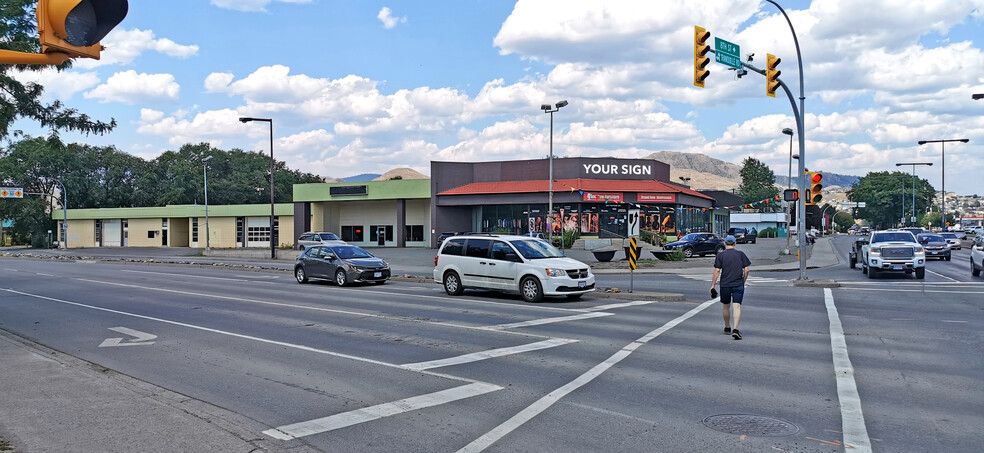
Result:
[[349, 252], [690, 237], [949, 235], [328, 237], [931, 238], [533, 249], [901, 236]]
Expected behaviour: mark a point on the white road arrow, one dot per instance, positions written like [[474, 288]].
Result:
[[141, 338]]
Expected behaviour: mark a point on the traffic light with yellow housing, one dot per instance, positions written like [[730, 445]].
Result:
[[772, 74], [701, 48], [75, 27], [814, 191]]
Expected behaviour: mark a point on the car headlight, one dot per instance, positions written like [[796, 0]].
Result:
[[352, 268], [556, 272], [919, 250], [875, 251]]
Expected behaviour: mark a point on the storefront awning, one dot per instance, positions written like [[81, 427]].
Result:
[[572, 185]]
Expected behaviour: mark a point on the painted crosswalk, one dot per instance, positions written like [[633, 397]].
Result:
[[752, 280]]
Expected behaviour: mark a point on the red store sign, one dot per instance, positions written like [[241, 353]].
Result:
[[601, 197], [657, 197]]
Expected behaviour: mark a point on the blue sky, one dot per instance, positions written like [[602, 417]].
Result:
[[364, 87]]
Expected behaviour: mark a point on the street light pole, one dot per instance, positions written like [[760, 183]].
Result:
[[547, 108], [943, 180], [273, 245], [928, 164], [789, 181], [205, 174]]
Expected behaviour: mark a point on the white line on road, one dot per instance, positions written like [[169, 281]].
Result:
[[43, 274], [622, 305], [197, 276], [941, 275], [492, 353], [550, 399], [888, 288], [538, 322], [958, 322], [333, 422], [852, 419]]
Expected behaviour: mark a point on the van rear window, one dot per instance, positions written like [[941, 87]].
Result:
[[454, 247], [478, 248]]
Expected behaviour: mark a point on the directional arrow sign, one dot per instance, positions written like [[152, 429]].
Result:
[[141, 338]]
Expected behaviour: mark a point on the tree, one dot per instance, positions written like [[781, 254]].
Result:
[[885, 192], [757, 181], [18, 32]]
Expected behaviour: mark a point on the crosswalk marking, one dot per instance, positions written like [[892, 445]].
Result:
[[751, 279]]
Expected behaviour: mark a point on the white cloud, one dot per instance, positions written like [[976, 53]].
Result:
[[124, 46], [129, 87], [386, 17], [58, 85], [250, 5]]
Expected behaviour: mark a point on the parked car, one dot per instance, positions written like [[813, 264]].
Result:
[[977, 256], [530, 266], [953, 240], [342, 264], [936, 246], [318, 238], [743, 235], [699, 244], [852, 256]]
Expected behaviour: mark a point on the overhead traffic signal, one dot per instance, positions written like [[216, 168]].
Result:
[[772, 74], [814, 191], [75, 27], [701, 48]]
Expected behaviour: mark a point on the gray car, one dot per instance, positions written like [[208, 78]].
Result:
[[312, 238], [343, 264]]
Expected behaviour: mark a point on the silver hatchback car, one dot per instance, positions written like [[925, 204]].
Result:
[[318, 238], [342, 264]]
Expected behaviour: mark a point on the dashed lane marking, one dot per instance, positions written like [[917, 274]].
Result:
[[751, 279]]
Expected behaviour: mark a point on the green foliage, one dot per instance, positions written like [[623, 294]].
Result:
[[569, 237], [675, 255], [757, 182], [768, 233], [932, 219], [884, 191]]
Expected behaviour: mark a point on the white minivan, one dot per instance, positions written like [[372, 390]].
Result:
[[521, 264]]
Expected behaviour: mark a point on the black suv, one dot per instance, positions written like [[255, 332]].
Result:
[[743, 235], [697, 244]]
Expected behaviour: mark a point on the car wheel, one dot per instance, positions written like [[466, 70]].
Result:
[[920, 273], [531, 290], [300, 275], [718, 250], [947, 257], [853, 262], [973, 269], [452, 284], [872, 272], [341, 278], [864, 269], [381, 282], [301, 248], [574, 296], [688, 252], [753, 240]]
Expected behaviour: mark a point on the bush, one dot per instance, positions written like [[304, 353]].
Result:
[[569, 237], [675, 255], [769, 233]]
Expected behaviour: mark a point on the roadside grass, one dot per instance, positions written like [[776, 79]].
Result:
[[6, 445]]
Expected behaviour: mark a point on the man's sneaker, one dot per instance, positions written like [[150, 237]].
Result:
[[727, 331], [736, 334]]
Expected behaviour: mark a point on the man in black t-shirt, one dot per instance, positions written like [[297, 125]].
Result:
[[732, 267]]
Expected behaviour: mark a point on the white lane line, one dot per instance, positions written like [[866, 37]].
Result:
[[333, 422], [43, 274], [527, 414], [491, 353], [622, 305], [888, 288], [958, 322], [239, 335], [303, 307], [12, 270], [852, 419], [196, 276], [941, 275], [538, 322]]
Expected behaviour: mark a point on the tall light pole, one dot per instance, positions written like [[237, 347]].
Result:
[[273, 245], [943, 181], [789, 181], [928, 164], [205, 174], [548, 109]]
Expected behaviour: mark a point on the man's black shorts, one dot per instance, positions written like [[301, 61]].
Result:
[[732, 294]]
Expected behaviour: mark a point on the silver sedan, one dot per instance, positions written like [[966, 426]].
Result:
[[342, 264]]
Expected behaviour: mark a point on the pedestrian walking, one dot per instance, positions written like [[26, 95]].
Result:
[[732, 267]]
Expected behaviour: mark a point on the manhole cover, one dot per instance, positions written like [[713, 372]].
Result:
[[750, 425]]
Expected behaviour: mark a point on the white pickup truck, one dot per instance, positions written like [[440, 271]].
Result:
[[893, 251]]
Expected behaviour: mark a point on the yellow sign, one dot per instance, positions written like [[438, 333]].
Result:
[[11, 192], [633, 253]]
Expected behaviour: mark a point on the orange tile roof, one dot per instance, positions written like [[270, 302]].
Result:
[[564, 185]]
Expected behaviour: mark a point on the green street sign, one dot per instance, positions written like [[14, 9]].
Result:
[[727, 53]]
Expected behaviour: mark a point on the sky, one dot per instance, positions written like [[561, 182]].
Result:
[[364, 86]]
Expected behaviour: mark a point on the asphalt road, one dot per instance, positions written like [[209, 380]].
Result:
[[404, 367]]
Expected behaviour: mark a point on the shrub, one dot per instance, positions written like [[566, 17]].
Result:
[[675, 255], [770, 232]]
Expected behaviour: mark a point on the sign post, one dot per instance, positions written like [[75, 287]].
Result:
[[633, 256]]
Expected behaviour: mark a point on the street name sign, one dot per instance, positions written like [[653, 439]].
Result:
[[859, 204], [727, 53]]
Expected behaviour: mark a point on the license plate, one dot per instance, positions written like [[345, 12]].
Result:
[[377, 274], [897, 267], [582, 284]]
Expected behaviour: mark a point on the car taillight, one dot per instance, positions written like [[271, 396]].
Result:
[[435, 260]]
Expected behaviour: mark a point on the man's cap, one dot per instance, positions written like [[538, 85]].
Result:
[[730, 239]]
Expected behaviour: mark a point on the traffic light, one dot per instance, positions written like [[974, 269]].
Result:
[[75, 27], [701, 48], [772, 74], [814, 191]]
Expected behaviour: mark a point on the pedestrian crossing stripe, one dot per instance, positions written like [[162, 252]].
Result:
[[707, 278]]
